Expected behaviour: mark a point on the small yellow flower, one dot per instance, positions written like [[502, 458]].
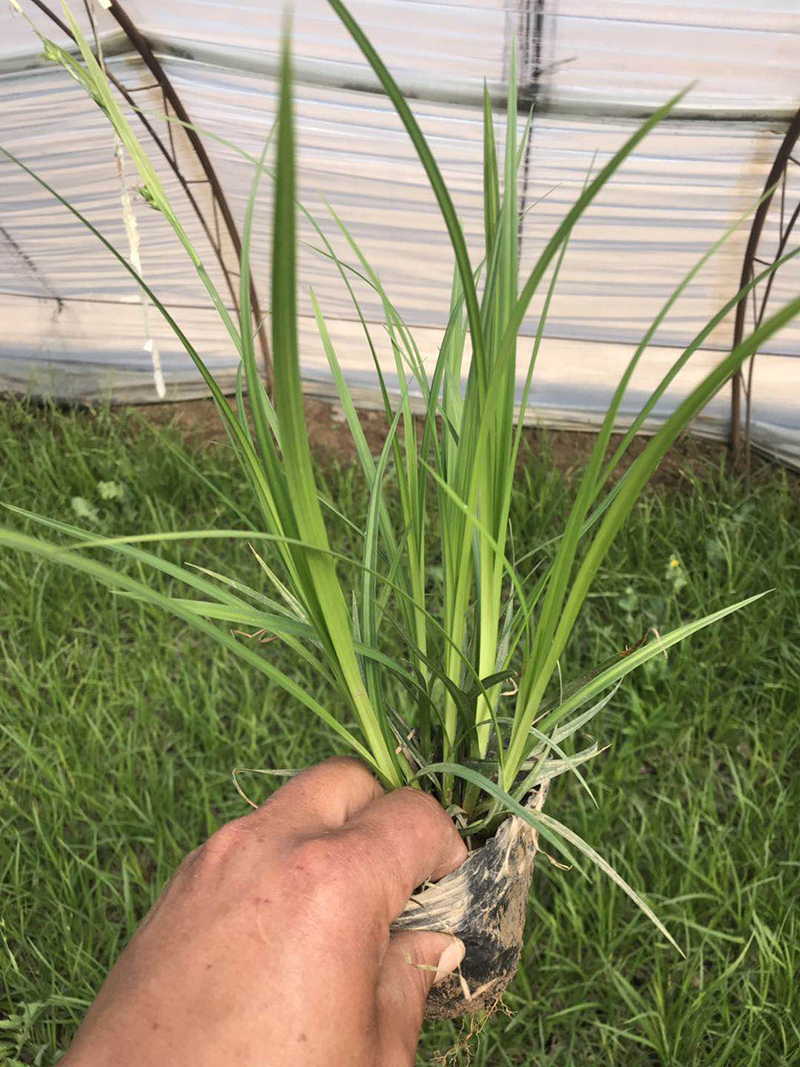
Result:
[[674, 562]]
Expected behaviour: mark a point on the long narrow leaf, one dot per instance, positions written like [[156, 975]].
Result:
[[553, 831]]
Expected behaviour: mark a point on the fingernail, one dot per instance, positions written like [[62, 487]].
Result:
[[449, 960]]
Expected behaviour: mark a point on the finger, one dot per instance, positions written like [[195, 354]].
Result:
[[402, 839], [414, 960], [321, 798]]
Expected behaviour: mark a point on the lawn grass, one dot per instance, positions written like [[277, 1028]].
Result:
[[119, 730]]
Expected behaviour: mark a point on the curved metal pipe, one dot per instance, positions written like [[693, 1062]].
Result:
[[141, 45], [778, 169]]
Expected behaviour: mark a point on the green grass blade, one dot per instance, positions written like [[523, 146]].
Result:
[[323, 592], [576, 211], [116, 580], [678, 365], [431, 169], [345, 399], [553, 831], [491, 177], [538, 675], [624, 666], [369, 612], [173, 570]]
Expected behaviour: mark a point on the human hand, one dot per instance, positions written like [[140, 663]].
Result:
[[271, 943]]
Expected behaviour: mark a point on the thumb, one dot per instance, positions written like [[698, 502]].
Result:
[[413, 962]]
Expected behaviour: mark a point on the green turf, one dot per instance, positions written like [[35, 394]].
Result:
[[119, 730]]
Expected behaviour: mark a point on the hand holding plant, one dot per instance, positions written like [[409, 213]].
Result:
[[456, 686], [271, 943]]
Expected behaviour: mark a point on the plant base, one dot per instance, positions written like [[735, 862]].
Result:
[[484, 903]]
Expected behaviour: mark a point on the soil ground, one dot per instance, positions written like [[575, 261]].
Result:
[[689, 458]]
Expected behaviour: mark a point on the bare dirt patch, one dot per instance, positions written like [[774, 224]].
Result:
[[690, 458]]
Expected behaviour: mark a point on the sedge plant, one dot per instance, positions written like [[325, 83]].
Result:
[[458, 691]]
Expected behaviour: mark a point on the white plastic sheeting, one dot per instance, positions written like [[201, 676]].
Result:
[[72, 322]]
